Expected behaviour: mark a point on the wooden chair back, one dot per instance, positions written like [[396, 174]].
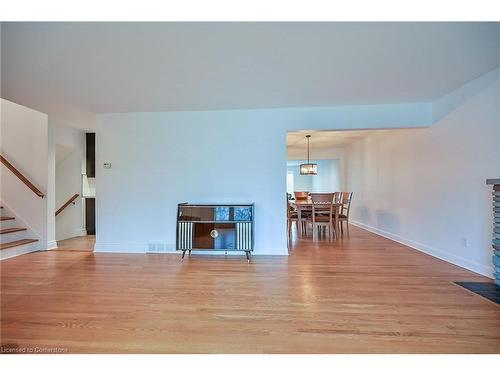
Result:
[[289, 210], [337, 197], [346, 202], [301, 195], [322, 203]]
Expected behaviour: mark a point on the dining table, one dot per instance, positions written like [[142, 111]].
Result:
[[306, 205]]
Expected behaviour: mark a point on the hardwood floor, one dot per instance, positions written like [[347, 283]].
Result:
[[362, 294], [81, 243]]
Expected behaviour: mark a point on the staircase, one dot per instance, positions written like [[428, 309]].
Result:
[[14, 238]]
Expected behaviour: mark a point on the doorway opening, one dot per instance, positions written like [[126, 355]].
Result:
[[75, 190]]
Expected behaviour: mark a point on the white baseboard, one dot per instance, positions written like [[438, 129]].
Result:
[[138, 248], [432, 251], [265, 252], [77, 233], [103, 247], [51, 245], [80, 232], [272, 251], [46, 245]]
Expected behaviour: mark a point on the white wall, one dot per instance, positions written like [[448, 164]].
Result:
[[300, 182], [25, 143], [327, 180], [70, 164], [426, 187], [161, 159], [324, 153]]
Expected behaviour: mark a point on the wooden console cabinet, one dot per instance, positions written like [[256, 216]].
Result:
[[215, 227]]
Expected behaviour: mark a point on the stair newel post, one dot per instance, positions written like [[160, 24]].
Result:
[[496, 229]]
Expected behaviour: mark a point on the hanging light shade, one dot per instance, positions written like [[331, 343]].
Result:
[[309, 168]]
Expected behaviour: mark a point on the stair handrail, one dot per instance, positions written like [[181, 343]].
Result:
[[68, 202], [19, 175]]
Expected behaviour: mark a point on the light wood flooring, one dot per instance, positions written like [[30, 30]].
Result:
[[81, 243], [361, 294]]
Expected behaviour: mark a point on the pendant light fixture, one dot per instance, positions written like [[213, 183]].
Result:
[[309, 168]]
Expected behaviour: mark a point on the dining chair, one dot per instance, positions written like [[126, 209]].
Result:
[[344, 210], [292, 216], [305, 212], [323, 213], [337, 196]]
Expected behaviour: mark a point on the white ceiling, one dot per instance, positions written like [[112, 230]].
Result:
[[323, 139], [77, 69], [324, 144]]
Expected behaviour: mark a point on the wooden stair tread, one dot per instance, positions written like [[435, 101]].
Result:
[[2, 218], [11, 230], [7, 245]]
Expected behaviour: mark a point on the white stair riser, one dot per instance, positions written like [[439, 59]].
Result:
[[8, 224], [15, 236], [18, 250], [9, 237]]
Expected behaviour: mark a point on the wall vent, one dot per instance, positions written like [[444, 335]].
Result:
[[158, 247]]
